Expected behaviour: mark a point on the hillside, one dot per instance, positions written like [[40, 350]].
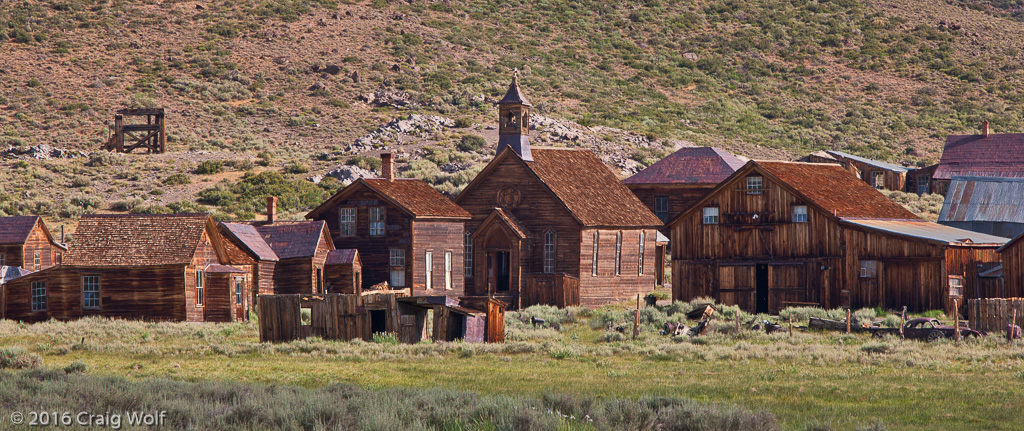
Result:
[[289, 87]]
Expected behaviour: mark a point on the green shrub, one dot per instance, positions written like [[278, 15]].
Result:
[[178, 179], [76, 367], [295, 167], [365, 162], [385, 338], [471, 143], [81, 182], [17, 358], [209, 167], [103, 158]]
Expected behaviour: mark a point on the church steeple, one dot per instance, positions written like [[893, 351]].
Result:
[[514, 120]]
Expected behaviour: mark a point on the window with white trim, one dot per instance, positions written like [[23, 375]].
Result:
[[799, 213], [377, 224], [549, 252], [447, 270], [429, 262], [467, 257], [397, 261], [755, 185], [346, 221], [640, 268], [200, 288], [91, 292], [38, 296], [238, 290], [38, 262], [710, 215], [597, 240], [618, 253]]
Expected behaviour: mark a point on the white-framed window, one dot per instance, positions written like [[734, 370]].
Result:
[[57, 260], [799, 213], [640, 263], [755, 184], [922, 185], [661, 207], [618, 253], [377, 223], [38, 262], [200, 288], [549, 252], [868, 269], [597, 241], [238, 290], [38, 296], [91, 292], [467, 257], [429, 262], [397, 260], [710, 215], [447, 270], [956, 286], [878, 179], [346, 221]]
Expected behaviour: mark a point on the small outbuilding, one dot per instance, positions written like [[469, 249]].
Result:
[[344, 271]]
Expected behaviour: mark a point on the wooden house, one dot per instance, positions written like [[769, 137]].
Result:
[[553, 225], [985, 204], [154, 267], [301, 248], [408, 234], [1012, 270], [344, 271], [246, 238], [920, 180], [26, 242], [880, 175], [985, 155], [777, 234]]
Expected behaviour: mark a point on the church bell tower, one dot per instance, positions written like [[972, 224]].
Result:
[[514, 121]]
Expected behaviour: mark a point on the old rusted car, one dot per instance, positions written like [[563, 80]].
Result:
[[926, 328]]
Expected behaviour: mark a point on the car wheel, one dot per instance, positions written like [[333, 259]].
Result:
[[877, 334], [935, 335]]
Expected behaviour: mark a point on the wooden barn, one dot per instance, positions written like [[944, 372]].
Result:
[[553, 225], [1012, 270], [777, 234], [880, 175], [985, 204], [672, 184], [985, 155], [26, 242], [408, 234], [344, 271], [155, 267]]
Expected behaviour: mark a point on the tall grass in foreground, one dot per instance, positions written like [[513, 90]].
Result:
[[230, 406]]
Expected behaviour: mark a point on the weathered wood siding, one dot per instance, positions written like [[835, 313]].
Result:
[[680, 196], [344, 278], [294, 276], [1013, 269], [438, 237], [13, 254], [265, 278], [891, 180], [205, 255], [23, 255], [607, 286]]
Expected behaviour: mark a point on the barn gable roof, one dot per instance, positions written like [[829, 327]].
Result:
[[827, 186], [294, 239], [697, 165], [139, 239], [997, 155], [249, 238], [984, 199], [414, 196]]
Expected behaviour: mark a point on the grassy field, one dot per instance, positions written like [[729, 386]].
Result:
[[807, 381]]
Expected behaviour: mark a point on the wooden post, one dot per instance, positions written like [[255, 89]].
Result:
[[636, 318], [119, 133], [791, 325], [848, 317], [737, 321], [1013, 322], [956, 321], [903, 319]]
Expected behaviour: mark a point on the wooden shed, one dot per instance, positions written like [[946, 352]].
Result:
[[408, 234], [548, 217], [989, 205], [1012, 255], [153, 267], [26, 242], [344, 271], [983, 155], [777, 234], [877, 174]]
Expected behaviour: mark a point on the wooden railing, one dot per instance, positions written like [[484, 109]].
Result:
[[560, 290]]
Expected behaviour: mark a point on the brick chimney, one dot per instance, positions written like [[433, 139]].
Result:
[[387, 166], [271, 209], [984, 129]]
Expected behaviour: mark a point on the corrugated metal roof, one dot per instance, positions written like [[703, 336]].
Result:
[[698, 165], [984, 199], [927, 230], [998, 155], [869, 162]]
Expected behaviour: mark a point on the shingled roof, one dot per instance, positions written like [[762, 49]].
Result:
[[344, 256], [247, 236], [588, 188], [415, 196], [697, 165], [136, 239], [293, 239], [835, 190], [997, 155], [16, 229]]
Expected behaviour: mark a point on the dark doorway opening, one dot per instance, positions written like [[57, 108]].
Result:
[[762, 288], [378, 321], [498, 270], [459, 328]]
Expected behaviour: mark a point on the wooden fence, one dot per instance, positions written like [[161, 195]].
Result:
[[560, 290], [992, 315]]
